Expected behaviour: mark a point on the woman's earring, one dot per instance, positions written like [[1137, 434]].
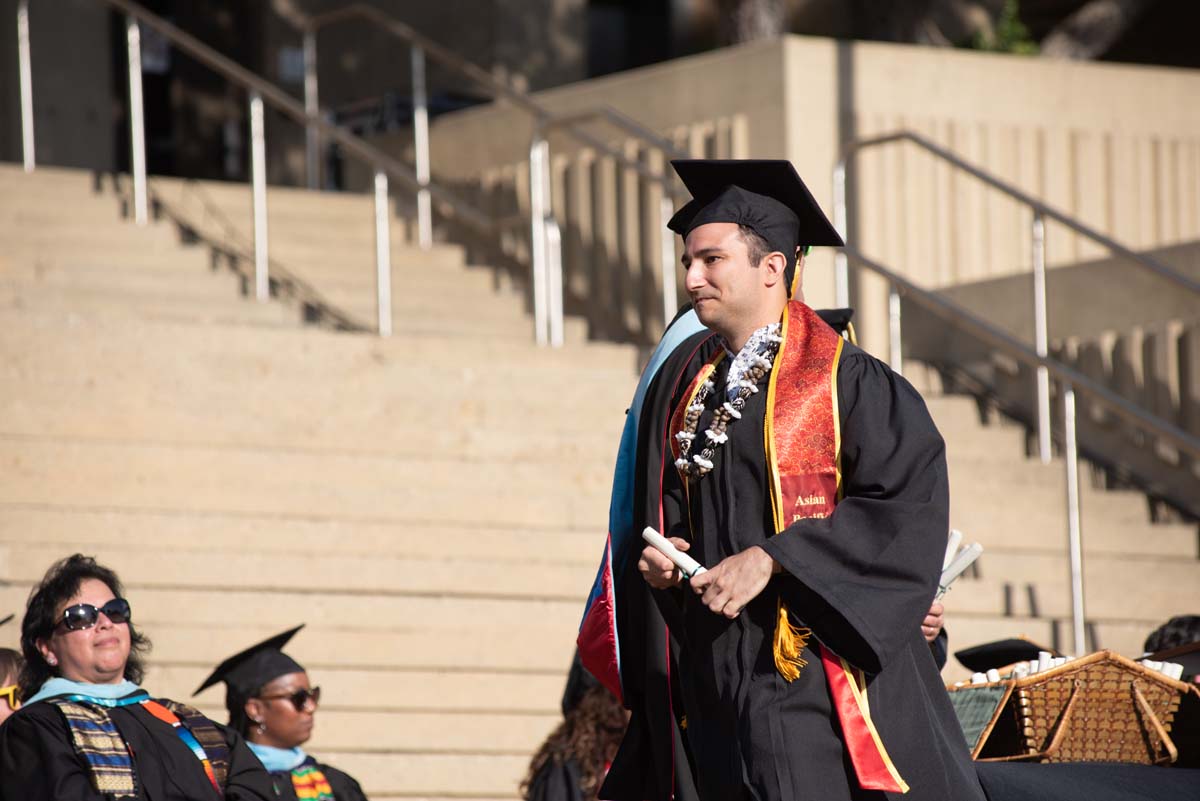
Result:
[[52, 660], [262, 727]]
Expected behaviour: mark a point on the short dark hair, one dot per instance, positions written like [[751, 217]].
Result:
[[60, 583], [757, 249], [1177, 631]]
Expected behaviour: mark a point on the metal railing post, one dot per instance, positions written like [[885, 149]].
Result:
[[421, 148], [1074, 534], [383, 255], [538, 155], [841, 264], [258, 173], [25, 66], [137, 123], [1041, 335], [667, 245], [554, 281], [312, 136], [895, 354]]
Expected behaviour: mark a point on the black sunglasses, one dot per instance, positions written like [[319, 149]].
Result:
[[84, 616], [299, 698]]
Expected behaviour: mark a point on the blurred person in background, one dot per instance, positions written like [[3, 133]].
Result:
[[87, 731], [10, 669], [272, 703], [572, 762]]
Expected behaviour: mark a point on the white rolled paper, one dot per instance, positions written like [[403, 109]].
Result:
[[978, 678], [686, 564], [957, 565], [1173, 670], [1045, 661], [952, 543], [993, 675]]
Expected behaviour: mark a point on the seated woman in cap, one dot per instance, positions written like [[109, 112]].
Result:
[[271, 703], [87, 730]]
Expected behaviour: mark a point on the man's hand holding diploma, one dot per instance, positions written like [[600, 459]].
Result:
[[726, 589]]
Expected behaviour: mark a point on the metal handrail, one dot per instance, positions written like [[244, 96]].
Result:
[[258, 90], [1041, 211], [1071, 380], [961, 317], [546, 237], [546, 269]]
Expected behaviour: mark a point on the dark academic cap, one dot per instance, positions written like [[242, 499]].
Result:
[[1000, 654], [246, 672], [766, 195], [579, 681]]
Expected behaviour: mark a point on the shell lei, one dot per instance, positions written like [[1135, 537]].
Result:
[[751, 365]]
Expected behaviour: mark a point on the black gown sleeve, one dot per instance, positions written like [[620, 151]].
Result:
[[556, 781], [38, 762], [344, 786], [248, 780], [866, 574]]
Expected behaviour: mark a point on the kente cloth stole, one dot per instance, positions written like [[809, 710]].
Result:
[[97, 740], [310, 784], [802, 441]]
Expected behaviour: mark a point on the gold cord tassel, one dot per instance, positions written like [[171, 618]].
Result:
[[789, 645]]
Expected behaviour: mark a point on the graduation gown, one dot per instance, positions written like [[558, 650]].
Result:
[[38, 762], [557, 781], [716, 721], [344, 786]]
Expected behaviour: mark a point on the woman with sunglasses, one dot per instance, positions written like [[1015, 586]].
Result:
[[87, 731], [272, 703]]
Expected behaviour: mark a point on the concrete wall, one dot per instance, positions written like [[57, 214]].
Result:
[[1117, 146]]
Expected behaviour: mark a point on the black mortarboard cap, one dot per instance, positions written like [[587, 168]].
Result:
[[765, 195], [246, 672], [999, 654], [579, 681]]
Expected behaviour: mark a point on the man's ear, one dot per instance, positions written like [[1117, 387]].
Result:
[[773, 265]]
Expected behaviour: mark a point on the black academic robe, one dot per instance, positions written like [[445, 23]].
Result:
[[344, 786], [717, 722], [557, 781], [38, 761]]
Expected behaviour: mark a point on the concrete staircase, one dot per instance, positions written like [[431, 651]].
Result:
[[432, 505]]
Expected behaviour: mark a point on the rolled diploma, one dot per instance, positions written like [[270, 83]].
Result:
[[686, 564], [952, 543], [960, 563]]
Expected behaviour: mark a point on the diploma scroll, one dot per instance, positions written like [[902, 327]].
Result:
[[966, 557], [688, 566]]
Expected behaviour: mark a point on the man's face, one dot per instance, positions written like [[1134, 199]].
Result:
[[725, 287]]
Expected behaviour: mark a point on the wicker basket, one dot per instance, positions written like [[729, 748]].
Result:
[[1100, 708]]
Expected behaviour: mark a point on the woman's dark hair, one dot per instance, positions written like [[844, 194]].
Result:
[[10, 664], [590, 734], [59, 585]]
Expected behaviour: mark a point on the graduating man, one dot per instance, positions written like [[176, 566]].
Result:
[[811, 482]]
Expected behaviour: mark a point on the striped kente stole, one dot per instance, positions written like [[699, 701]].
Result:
[[310, 783], [97, 740]]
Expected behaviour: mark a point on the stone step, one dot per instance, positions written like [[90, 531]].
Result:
[[540, 575], [203, 480], [350, 629], [391, 689], [66, 529], [100, 302], [1140, 599], [617, 363]]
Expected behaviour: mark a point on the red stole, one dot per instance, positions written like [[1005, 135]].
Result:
[[802, 441]]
